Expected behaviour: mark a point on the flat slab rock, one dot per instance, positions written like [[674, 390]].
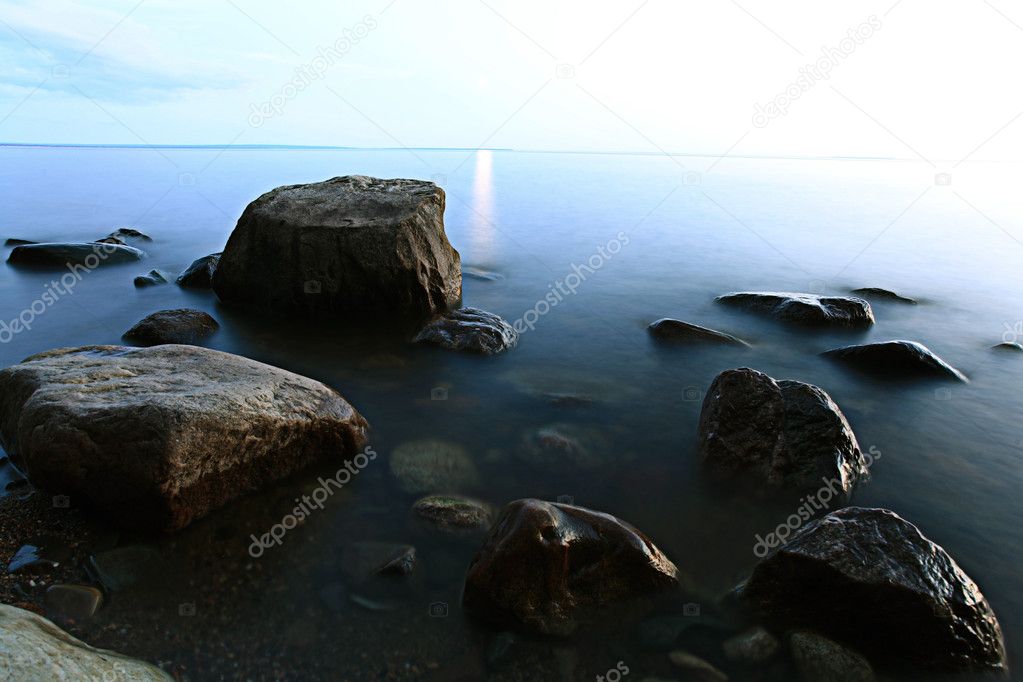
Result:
[[33, 648], [782, 434], [470, 330], [895, 359], [669, 329], [805, 309], [547, 566], [155, 438], [350, 244], [869, 579], [182, 325], [71, 253]]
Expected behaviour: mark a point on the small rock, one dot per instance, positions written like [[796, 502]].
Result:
[[696, 668], [427, 465], [129, 233], [454, 513], [183, 326], [567, 447], [819, 659], [111, 240], [152, 278], [1011, 347], [682, 332], [72, 602], [752, 647], [18, 242], [199, 274], [895, 359], [368, 558], [469, 329], [481, 274], [805, 309], [883, 294], [122, 567], [62, 255]]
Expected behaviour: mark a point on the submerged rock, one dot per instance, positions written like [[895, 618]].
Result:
[[157, 437], [183, 325], [75, 603], [751, 647], [778, 433], [69, 254], [669, 329], [199, 275], [151, 278], [469, 329], [366, 559], [818, 659], [546, 567], [868, 578], [567, 447], [805, 309], [695, 668], [18, 242], [111, 240], [895, 359], [351, 244], [454, 513], [427, 465], [1009, 346], [121, 567], [882, 294], [125, 233], [33, 648]]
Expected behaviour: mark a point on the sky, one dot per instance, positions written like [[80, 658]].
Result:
[[914, 79]]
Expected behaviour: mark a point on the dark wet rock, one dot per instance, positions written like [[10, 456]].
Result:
[[120, 568], [882, 295], [805, 309], [454, 513], [678, 331], [868, 579], [75, 603], [546, 566], [33, 648], [469, 329], [570, 400], [199, 275], [695, 668], [366, 559], [782, 434], [895, 359], [424, 466], [158, 437], [18, 242], [39, 556], [151, 278], [126, 233], [351, 244], [111, 240], [1009, 346], [481, 274], [566, 447], [70, 254], [751, 647], [183, 325], [819, 659]]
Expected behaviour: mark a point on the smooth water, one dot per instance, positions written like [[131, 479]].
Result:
[[682, 235]]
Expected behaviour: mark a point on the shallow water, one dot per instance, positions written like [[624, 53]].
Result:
[[950, 453]]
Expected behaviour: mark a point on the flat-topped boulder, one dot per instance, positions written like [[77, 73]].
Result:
[[677, 331], [157, 437], [350, 244], [895, 359], [869, 579], [808, 310], [63, 254], [777, 434], [470, 330], [182, 325]]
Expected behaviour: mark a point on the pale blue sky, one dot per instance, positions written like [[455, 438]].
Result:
[[925, 80]]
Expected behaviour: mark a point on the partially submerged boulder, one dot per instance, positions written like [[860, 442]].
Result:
[[126, 233], [157, 437], [33, 648], [150, 279], [469, 329], [782, 434], [351, 244], [805, 309], [546, 567], [182, 325], [895, 359], [883, 295], [869, 578], [14, 241], [454, 513], [677, 331], [65, 254], [199, 275]]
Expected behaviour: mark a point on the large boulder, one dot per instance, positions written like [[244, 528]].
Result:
[[351, 244], [182, 325], [805, 309], [469, 329], [546, 567], [32, 649], [870, 579], [157, 437], [199, 275], [779, 434], [895, 359], [65, 254]]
